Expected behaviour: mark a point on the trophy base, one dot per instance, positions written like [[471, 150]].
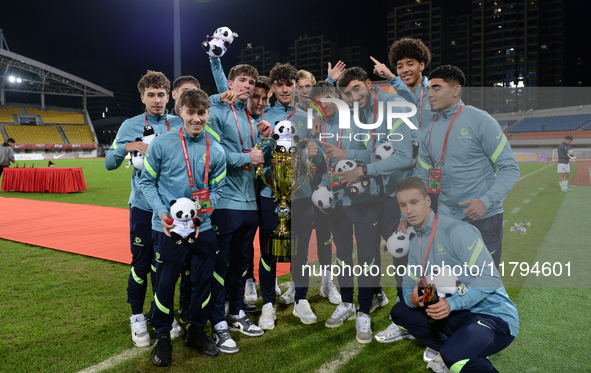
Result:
[[278, 249]]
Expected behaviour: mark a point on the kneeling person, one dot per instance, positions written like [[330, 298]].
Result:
[[186, 164], [478, 319]]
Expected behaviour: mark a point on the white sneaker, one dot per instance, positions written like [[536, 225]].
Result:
[[429, 354], [177, 330], [267, 319], [288, 296], [302, 310], [363, 327], [250, 291], [379, 300], [437, 365], [345, 311], [277, 289], [139, 331], [329, 290], [392, 333]]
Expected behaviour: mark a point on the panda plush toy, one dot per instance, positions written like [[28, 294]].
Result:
[[571, 154], [285, 135], [137, 158], [219, 43], [399, 243], [324, 199], [357, 187], [384, 150], [445, 281], [183, 212]]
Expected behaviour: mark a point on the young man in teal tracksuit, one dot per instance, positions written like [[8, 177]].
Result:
[[354, 214], [154, 88], [475, 318], [185, 163], [283, 82], [236, 217], [466, 175], [357, 87]]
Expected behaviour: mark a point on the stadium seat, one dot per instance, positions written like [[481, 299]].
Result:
[[555, 123], [78, 134], [34, 134]]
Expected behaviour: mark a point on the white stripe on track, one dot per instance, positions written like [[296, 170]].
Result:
[[114, 360], [349, 351], [543, 168]]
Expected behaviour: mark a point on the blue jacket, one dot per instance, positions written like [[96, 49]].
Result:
[[353, 147], [165, 175], [300, 118], [401, 88], [400, 164], [476, 148], [130, 130], [459, 245], [239, 192]]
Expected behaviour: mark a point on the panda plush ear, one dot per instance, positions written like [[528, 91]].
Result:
[[173, 202], [277, 121]]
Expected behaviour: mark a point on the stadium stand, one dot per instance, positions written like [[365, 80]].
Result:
[[78, 134], [542, 135], [553, 123], [34, 134], [506, 123], [6, 114], [57, 117], [1, 139]]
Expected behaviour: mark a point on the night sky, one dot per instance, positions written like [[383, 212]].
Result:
[[113, 42]]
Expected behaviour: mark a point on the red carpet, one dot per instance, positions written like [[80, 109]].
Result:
[[95, 231]]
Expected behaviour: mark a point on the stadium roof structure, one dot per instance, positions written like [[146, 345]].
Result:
[[37, 77]]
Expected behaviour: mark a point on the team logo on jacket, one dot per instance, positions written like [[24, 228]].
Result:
[[202, 160], [138, 241], [464, 132], [440, 249]]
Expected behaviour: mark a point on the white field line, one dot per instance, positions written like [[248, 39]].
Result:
[[515, 210], [523, 177], [526, 201], [534, 194], [347, 353], [114, 360]]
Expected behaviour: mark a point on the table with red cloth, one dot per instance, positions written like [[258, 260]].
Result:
[[40, 180]]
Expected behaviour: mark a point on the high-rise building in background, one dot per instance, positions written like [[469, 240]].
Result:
[[259, 57]]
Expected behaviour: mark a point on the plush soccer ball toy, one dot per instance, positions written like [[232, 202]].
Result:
[[357, 187], [384, 150], [399, 243], [218, 45], [323, 198], [445, 281], [183, 214], [137, 158], [285, 135]]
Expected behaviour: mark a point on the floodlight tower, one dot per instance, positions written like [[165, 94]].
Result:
[[3, 44]]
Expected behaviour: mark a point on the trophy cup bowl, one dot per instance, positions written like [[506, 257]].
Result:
[[285, 173]]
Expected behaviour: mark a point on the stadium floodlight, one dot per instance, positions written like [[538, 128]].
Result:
[[11, 79], [18, 80]]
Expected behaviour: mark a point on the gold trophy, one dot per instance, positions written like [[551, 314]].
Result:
[[285, 173]]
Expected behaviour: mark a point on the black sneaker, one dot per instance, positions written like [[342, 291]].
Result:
[[163, 351], [197, 339], [148, 315], [185, 313], [250, 308]]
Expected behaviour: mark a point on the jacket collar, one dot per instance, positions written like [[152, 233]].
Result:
[[426, 229], [451, 111]]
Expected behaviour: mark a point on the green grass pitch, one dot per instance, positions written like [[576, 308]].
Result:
[[61, 312]]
